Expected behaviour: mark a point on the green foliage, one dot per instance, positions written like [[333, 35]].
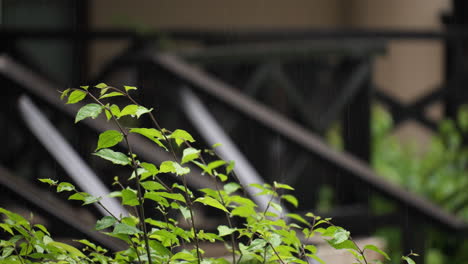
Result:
[[262, 237]]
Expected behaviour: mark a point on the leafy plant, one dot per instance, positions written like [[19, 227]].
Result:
[[267, 236]]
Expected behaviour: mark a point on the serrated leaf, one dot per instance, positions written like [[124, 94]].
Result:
[[231, 187], [109, 139], [291, 199], [129, 88], [105, 222], [129, 197], [121, 228], [378, 250], [190, 154], [112, 94], [101, 85], [65, 186], [180, 136], [225, 230], [211, 202], [76, 96], [49, 181], [89, 110], [113, 156]]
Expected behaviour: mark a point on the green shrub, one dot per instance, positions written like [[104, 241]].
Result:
[[267, 236]]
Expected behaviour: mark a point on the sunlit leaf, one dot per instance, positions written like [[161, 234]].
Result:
[[76, 96], [211, 202], [89, 110], [109, 138], [113, 156]]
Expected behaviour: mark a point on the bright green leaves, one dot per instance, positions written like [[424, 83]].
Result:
[[76, 96], [378, 250], [161, 196], [112, 110], [101, 86], [153, 134], [290, 199], [129, 197], [115, 157], [408, 260], [89, 110], [124, 229], [190, 154], [211, 202], [109, 139], [49, 181], [231, 187], [134, 110], [225, 230], [65, 186], [105, 222], [152, 186], [173, 167], [86, 198], [180, 136], [129, 88], [111, 94]]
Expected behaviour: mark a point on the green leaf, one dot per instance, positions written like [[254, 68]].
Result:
[[105, 222], [225, 230], [114, 111], [150, 170], [64, 93], [180, 136], [376, 249], [121, 228], [6, 228], [129, 197], [49, 181], [108, 139], [190, 154], [230, 167], [151, 133], [134, 110], [298, 218], [156, 196], [173, 167], [112, 94], [142, 110], [231, 187], [85, 197], [215, 164], [113, 156], [76, 96], [72, 250], [152, 186], [89, 110], [408, 260], [101, 86], [65, 186], [211, 202], [291, 199], [129, 88], [283, 186], [160, 250], [85, 87]]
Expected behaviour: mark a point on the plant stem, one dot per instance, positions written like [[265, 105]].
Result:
[[134, 165]]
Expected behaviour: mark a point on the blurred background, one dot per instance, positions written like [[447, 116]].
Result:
[[358, 104]]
